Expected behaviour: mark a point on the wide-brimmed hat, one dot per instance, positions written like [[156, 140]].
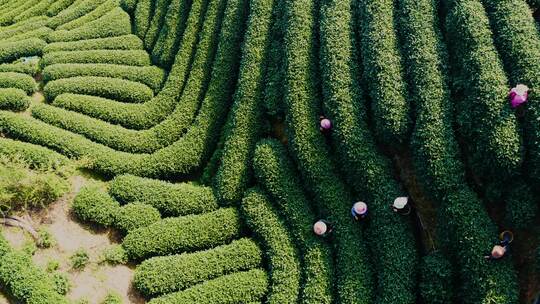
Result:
[[360, 207], [498, 251], [400, 202], [319, 227], [326, 123]]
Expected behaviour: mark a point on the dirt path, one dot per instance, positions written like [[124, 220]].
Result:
[[95, 281]]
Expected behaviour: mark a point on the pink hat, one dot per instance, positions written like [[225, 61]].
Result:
[[360, 208], [498, 251], [326, 123], [319, 228], [518, 95]]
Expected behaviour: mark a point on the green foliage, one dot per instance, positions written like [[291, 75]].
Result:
[[135, 215], [383, 71], [7, 17], [93, 205], [128, 5], [521, 205], [180, 234], [177, 33], [38, 9], [9, 51], [301, 104], [436, 279], [151, 76], [19, 81], [22, 27], [79, 259], [30, 67], [273, 91], [156, 23], [126, 42], [241, 287], [58, 6], [61, 283], [114, 88], [78, 9], [114, 255], [98, 12], [142, 17], [52, 266], [36, 157], [22, 188], [170, 199], [114, 23], [243, 127], [14, 99], [112, 298], [161, 275], [29, 247], [284, 263], [493, 142], [46, 239], [120, 57], [41, 33]]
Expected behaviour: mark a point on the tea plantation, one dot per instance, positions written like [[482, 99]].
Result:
[[220, 131]]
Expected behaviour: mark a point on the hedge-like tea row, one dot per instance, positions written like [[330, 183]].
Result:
[[517, 40], [273, 93], [10, 51], [436, 280], [354, 277], [384, 71], [180, 158], [245, 120], [181, 234], [171, 129], [144, 116], [30, 68], [25, 282], [114, 23], [7, 17], [19, 81], [22, 27], [282, 255], [275, 170], [41, 33], [94, 205], [58, 6], [181, 15], [156, 22], [127, 42], [521, 205], [128, 5], [170, 199], [241, 287], [120, 57], [152, 76], [14, 99], [36, 157], [370, 174], [465, 225], [39, 9], [78, 9], [161, 275], [142, 16], [97, 13], [114, 88], [484, 114]]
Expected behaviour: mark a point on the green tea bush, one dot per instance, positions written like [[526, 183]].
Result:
[[241, 287], [365, 168], [177, 31], [41, 33], [19, 81], [61, 283], [273, 93], [7, 17], [58, 6], [180, 234], [383, 71], [23, 280], [156, 22], [98, 12], [9, 51], [282, 255], [39, 8], [354, 281], [516, 38], [135, 215], [114, 88], [114, 255], [120, 57], [93, 205], [30, 67], [78, 9], [151, 76], [276, 171], [143, 14], [22, 27], [79, 259], [46, 239], [161, 275], [170, 199], [245, 121], [112, 298], [36, 157], [484, 115], [14, 99], [436, 279], [126, 42], [128, 5], [114, 23], [521, 205]]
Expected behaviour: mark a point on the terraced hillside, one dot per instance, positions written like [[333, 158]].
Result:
[[196, 127]]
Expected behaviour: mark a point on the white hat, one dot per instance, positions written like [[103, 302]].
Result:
[[319, 228], [360, 208], [521, 89], [400, 202]]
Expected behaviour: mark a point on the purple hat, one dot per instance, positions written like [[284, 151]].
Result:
[[518, 95], [326, 124]]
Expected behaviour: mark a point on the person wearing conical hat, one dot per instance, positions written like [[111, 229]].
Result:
[[401, 205], [518, 95], [359, 210], [322, 228], [325, 125]]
